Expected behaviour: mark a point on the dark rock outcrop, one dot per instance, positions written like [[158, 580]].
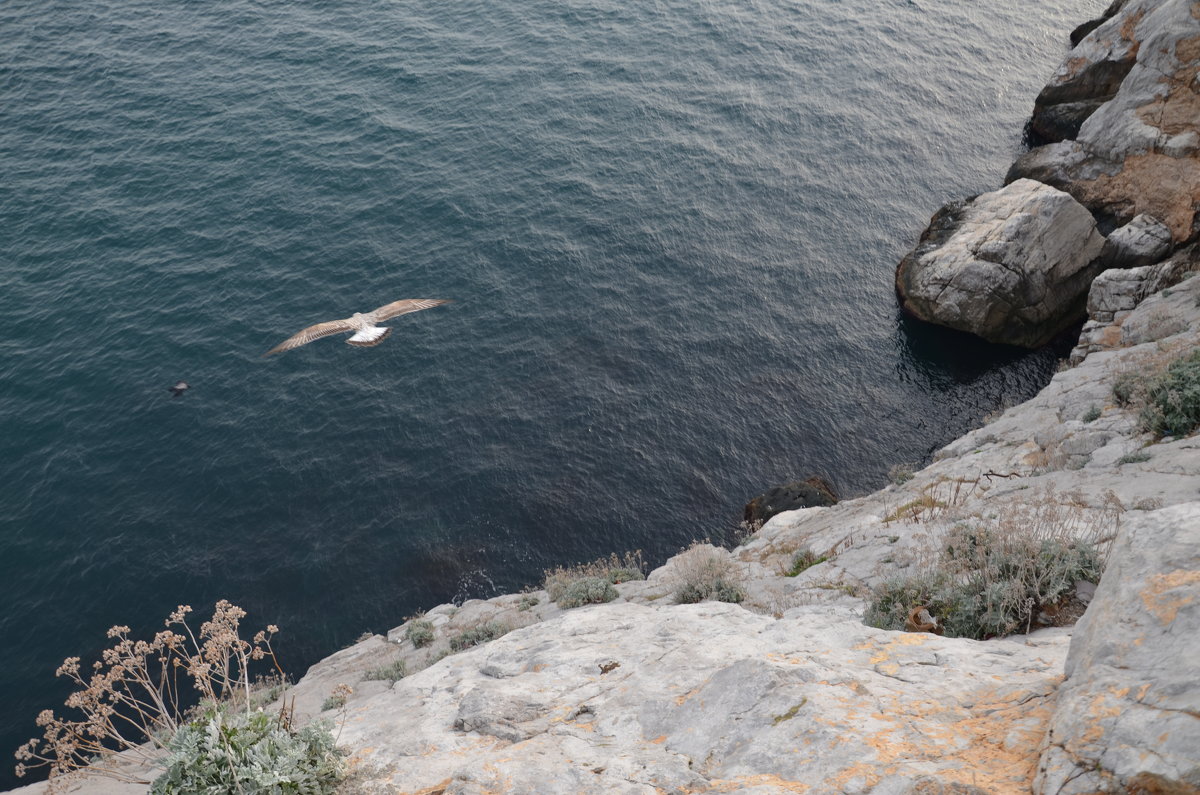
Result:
[[810, 493]]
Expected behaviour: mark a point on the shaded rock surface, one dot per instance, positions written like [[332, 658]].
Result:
[[1139, 151], [1128, 708], [1011, 266]]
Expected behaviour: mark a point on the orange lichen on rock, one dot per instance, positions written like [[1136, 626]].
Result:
[[742, 783], [1162, 604], [1166, 187]]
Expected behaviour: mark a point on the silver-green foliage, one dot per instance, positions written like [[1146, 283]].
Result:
[[587, 591], [987, 583], [392, 672], [420, 632], [223, 752], [1173, 399], [477, 635]]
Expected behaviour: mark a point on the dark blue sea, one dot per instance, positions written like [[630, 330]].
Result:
[[669, 228]]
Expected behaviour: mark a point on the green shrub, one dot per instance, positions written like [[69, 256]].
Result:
[[253, 752], [477, 635], [392, 672], [704, 572], [901, 473], [991, 579], [420, 632], [1134, 458], [528, 602], [588, 591], [612, 569], [1125, 388], [1092, 414], [719, 590], [1173, 399], [805, 559]]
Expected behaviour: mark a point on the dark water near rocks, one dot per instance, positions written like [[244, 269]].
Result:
[[669, 228]]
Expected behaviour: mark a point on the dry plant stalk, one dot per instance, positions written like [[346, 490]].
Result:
[[131, 700]]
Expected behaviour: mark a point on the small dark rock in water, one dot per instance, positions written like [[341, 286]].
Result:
[[178, 389], [789, 497]]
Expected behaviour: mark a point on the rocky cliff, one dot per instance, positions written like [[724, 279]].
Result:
[[787, 690]]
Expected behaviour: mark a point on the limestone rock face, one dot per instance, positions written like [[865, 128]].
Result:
[[625, 698], [1011, 266], [1116, 293], [1139, 152], [1090, 77], [1143, 241], [1129, 711]]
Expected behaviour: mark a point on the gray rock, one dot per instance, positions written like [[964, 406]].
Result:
[[1143, 241], [1130, 704], [1011, 266], [1090, 77], [712, 697], [1114, 295], [1139, 152]]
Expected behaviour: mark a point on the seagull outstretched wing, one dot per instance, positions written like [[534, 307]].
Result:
[[403, 307], [311, 333]]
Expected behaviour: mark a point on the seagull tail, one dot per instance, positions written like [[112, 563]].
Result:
[[369, 337]]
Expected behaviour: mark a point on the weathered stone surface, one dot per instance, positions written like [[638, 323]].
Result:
[[1139, 152], [1143, 241], [1011, 266], [1131, 704], [713, 697], [1116, 293], [1089, 77]]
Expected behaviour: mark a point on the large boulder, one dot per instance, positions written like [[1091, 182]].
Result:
[[1128, 714], [1139, 152], [1011, 266]]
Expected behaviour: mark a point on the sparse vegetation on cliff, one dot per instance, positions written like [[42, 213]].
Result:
[[1173, 399], [574, 586], [134, 709], [991, 576], [704, 572]]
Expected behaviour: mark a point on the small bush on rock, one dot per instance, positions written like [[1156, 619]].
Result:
[[132, 700], [420, 632], [704, 572], [614, 569], [256, 752], [588, 591], [1173, 399], [477, 635], [991, 577], [392, 672], [803, 560], [901, 473]]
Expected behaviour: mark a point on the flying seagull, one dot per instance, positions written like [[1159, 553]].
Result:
[[366, 333]]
